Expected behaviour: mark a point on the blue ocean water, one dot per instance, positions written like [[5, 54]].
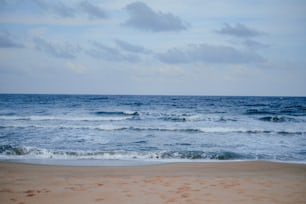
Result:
[[151, 128]]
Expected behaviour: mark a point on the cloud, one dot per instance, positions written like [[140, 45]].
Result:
[[208, 54], [76, 67], [132, 48], [56, 7], [7, 41], [60, 9], [58, 50], [101, 51], [239, 30], [252, 44], [142, 17], [38, 31], [92, 10], [174, 56]]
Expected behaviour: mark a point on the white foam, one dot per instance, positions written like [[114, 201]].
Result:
[[222, 129]]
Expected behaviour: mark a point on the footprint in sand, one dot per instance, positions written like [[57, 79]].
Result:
[[31, 193], [99, 199]]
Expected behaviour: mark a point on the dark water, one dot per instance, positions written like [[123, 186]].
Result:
[[150, 128]]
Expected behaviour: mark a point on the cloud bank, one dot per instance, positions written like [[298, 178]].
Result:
[[142, 17], [208, 54], [101, 51], [57, 50]]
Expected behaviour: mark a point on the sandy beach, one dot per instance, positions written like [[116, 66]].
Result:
[[228, 182]]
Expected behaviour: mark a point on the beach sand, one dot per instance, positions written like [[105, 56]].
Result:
[[220, 182]]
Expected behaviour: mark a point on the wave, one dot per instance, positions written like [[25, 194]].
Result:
[[186, 130], [11, 152], [196, 118], [291, 111], [117, 113], [64, 118], [256, 105], [277, 119], [258, 112], [115, 116], [98, 98], [182, 118], [212, 130], [7, 114]]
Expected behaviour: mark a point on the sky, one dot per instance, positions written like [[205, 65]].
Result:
[[160, 47]]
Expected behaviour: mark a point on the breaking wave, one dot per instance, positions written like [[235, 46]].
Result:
[[182, 118], [117, 113], [11, 152], [277, 119]]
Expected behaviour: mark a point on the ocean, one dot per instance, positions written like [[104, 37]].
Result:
[[125, 129]]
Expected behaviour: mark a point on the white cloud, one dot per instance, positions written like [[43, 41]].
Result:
[[38, 32], [76, 67]]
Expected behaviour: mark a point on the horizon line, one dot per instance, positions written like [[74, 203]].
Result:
[[179, 95]]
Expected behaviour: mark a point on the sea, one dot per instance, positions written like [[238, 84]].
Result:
[[131, 129]]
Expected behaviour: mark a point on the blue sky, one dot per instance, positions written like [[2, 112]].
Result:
[[178, 47]]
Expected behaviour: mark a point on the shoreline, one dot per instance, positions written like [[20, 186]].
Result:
[[127, 163], [190, 182]]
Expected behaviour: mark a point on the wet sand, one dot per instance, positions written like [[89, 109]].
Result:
[[220, 182]]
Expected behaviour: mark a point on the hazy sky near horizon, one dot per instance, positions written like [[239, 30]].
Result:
[[196, 47]]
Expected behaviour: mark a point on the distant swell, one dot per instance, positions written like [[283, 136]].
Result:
[[65, 118], [292, 111], [258, 112], [157, 129]]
